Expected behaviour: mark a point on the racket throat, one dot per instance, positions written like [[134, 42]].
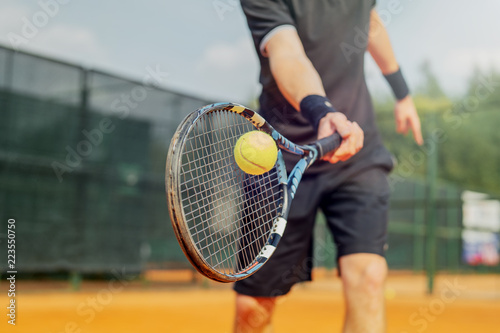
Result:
[[298, 171]]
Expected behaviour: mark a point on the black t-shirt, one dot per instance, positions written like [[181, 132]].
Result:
[[335, 35]]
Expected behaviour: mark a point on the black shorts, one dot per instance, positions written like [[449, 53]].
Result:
[[356, 209]]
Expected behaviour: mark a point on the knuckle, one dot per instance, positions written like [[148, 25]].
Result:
[[339, 116]]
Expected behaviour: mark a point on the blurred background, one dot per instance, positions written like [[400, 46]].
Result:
[[91, 94]]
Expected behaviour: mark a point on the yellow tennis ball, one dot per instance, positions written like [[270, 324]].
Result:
[[255, 152]]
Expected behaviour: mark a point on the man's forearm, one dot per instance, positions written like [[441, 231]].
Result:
[[298, 83]]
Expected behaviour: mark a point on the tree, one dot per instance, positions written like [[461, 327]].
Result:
[[430, 84]]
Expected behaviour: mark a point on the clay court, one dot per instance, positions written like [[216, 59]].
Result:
[[164, 303]]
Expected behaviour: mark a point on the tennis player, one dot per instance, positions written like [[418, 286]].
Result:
[[312, 58]]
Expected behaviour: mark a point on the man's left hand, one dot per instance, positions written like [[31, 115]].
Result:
[[407, 118]]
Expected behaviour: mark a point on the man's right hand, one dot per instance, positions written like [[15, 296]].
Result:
[[352, 136]]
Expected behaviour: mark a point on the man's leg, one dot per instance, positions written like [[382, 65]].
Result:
[[253, 314], [291, 263], [356, 213], [363, 276]]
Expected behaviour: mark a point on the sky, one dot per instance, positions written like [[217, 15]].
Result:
[[208, 52]]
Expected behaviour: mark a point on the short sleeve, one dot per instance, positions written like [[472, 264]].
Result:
[[265, 18]]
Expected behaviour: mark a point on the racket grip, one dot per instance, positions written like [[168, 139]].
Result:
[[328, 144]]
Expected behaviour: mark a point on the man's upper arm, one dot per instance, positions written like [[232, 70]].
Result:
[[284, 43], [266, 18]]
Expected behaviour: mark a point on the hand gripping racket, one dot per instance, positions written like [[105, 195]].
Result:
[[227, 222]]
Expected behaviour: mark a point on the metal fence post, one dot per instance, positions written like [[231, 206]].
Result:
[[79, 218], [418, 227], [431, 179]]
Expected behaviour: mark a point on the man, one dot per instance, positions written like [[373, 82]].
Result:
[[312, 57]]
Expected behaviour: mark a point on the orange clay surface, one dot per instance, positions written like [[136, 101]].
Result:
[[164, 303]]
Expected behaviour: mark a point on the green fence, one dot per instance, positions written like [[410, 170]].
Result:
[[407, 238], [82, 158]]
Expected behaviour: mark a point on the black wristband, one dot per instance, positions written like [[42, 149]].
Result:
[[315, 107], [398, 84]]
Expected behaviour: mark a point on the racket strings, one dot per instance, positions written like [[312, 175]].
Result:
[[216, 245], [226, 250], [251, 215], [250, 249], [194, 229], [229, 214], [213, 246], [215, 173], [237, 128]]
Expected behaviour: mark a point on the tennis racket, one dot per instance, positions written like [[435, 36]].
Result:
[[227, 222]]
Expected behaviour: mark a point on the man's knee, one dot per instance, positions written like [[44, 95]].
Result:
[[364, 272], [253, 312], [374, 275]]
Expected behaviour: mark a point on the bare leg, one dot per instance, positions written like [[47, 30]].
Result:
[[253, 314], [363, 276]]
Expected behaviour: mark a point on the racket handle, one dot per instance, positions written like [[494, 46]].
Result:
[[328, 144]]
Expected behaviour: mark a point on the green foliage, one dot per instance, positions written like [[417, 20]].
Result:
[[469, 141], [430, 86]]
